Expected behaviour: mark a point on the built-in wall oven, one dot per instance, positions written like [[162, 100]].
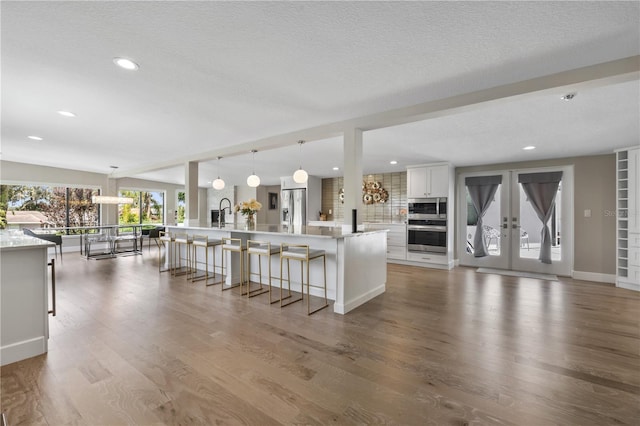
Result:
[[426, 235], [427, 225]]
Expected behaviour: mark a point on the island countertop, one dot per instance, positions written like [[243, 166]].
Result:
[[17, 240], [303, 231]]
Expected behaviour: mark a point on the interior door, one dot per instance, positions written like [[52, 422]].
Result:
[[512, 231]]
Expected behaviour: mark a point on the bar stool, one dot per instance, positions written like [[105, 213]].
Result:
[[203, 241], [302, 253], [232, 245], [180, 239], [169, 239], [260, 248]]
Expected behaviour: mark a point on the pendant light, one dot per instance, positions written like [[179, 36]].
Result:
[[253, 180], [218, 183], [107, 199], [300, 175]]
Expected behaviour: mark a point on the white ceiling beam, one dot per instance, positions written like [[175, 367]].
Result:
[[603, 74]]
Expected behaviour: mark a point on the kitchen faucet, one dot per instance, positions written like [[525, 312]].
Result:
[[221, 211]]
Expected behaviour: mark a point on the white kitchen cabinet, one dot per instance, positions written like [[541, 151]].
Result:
[[396, 238], [428, 181]]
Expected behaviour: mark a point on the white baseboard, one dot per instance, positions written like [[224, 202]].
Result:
[[628, 285], [447, 266], [354, 303], [594, 276], [22, 350]]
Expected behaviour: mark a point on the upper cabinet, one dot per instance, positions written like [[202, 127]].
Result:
[[428, 181]]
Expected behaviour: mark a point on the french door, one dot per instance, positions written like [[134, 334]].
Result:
[[501, 216]]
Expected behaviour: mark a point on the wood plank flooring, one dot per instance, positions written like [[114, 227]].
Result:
[[132, 346]]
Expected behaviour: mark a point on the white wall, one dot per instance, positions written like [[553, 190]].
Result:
[[265, 215]]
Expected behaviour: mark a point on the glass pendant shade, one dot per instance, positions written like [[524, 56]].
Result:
[[253, 181], [218, 184], [300, 176]]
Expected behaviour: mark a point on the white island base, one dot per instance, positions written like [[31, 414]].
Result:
[[24, 319], [356, 263]]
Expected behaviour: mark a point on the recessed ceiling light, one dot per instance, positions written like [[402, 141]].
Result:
[[529, 148], [569, 96], [35, 138], [66, 113], [336, 168], [393, 162], [125, 63]]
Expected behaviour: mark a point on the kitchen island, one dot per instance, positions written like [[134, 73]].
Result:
[[24, 296], [356, 263]]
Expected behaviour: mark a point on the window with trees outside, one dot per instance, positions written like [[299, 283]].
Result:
[[43, 206], [181, 208], [147, 208]]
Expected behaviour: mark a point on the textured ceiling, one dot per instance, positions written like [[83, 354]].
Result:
[[218, 74]]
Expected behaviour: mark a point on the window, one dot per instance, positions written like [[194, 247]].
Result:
[[147, 207], [39, 206], [181, 208]]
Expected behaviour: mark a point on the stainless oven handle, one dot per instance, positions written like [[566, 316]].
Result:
[[426, 228], [438, 206]]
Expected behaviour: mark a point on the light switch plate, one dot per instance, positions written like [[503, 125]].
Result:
[[587, 213]]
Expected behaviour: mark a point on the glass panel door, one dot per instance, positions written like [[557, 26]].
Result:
[[511, 228], [527, 227], [494, 234]]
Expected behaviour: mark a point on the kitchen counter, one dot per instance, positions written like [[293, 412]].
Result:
[[17, 240], [303, 231], [24, 296], [356, 263]]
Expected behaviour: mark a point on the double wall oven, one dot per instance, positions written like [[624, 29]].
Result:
[[427, 225]]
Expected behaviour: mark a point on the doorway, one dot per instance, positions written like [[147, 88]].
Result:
[[501, 216]]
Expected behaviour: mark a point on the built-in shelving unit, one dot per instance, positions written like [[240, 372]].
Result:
[[627, 210]]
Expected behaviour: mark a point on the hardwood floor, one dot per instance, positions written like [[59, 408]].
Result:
[[132, 346]]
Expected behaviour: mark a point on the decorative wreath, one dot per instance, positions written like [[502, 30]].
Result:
[[372, 192]]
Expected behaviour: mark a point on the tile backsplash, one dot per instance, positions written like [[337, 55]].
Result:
[[393, 210]]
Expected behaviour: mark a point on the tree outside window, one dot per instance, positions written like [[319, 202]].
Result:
[[147, 208], [181, 207], [36, 206]]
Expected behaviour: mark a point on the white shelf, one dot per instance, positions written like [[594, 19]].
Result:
[[627, 201]]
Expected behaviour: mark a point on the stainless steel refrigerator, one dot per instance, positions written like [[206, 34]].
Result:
[[294, 207]]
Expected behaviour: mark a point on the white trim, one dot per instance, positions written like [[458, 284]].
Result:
[[628, 285], [594, 276], [22, 350], [363, 298], [445, 266]]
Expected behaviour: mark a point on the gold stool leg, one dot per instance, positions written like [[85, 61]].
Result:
[[288, 287], [326, 303], [206, 282]]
